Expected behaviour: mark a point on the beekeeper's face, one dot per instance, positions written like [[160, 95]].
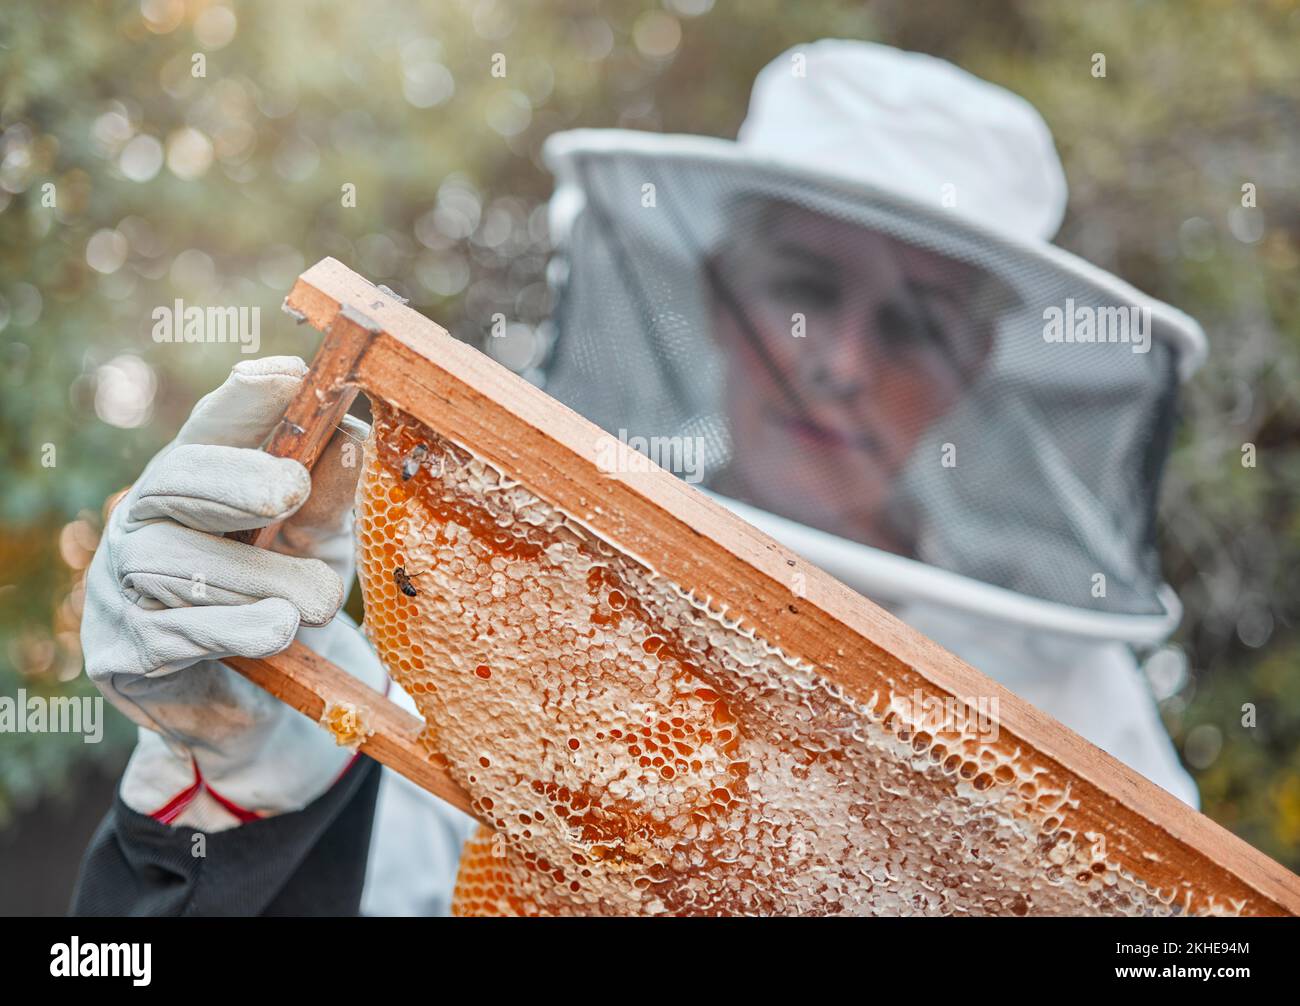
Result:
[[844, 345]]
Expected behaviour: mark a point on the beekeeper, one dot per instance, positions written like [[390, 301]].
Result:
[[854, 309]]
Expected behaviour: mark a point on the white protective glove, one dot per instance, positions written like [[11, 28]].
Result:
[[167, 597]]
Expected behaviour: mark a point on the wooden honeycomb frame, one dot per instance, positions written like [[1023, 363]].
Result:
[[376, 344]]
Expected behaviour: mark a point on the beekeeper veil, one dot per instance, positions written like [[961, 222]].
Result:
[[851, 325]]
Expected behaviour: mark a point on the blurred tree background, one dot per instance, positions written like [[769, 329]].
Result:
[[129, 179]]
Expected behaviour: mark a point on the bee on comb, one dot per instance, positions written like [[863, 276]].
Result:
[[403, 580], [411, 463]]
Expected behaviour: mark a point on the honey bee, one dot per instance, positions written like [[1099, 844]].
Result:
[[411, 463], [403, 580]]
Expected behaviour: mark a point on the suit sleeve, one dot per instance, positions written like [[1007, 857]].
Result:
[[309, 862]]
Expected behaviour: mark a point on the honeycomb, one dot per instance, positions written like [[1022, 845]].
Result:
[[634, 751], [347, 724]]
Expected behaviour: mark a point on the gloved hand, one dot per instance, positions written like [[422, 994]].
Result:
[[167, 597]]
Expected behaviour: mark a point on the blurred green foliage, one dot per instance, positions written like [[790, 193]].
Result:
[[220, 188]]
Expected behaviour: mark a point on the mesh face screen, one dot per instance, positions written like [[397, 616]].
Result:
[[637, 752], [880, 373]]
